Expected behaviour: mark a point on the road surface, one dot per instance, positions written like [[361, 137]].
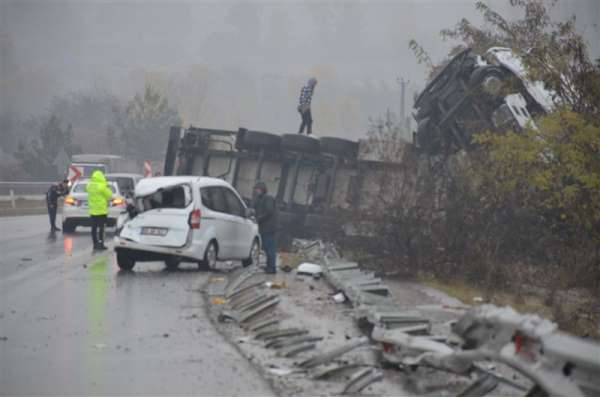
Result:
[[72, 324]]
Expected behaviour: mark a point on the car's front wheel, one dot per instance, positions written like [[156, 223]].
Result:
[[210, 257], [125, 260], [254, 255]]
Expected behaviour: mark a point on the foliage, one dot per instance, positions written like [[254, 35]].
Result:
[[554, 169], [141, 129], [37, 157]]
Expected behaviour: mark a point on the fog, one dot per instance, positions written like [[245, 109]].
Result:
[[231, 64]]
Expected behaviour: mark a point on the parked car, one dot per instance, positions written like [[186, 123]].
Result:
[[125, 181], [75, 209], [187, 218]]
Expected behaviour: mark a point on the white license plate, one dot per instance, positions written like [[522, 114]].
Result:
[[154, 231]]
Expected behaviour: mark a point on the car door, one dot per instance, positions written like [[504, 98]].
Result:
[[216, 212], [242, 227]]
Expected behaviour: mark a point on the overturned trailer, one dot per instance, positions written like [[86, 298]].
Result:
[[310, 178]]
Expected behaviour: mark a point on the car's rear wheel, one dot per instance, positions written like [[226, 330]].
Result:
[[172, 263], [254, 255], [68, 227], [210, 257], [125, 260]]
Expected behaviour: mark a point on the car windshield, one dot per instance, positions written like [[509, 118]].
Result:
[[80, 188], [178, 196]]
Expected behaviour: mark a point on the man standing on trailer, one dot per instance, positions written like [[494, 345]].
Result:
[[304, 106]]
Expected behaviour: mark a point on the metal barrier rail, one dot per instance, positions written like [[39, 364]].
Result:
[[20, 189]]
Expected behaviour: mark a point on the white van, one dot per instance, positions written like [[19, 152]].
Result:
[[188, 218]]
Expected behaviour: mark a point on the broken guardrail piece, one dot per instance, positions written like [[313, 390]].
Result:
[[398, 345], [260, 323], [281, 333], [265, 307], [254, 302], [247, 289], [334, 369], [292, 351], [361, 379], [480, 387], [333, 354], [241, 300], [236, 283], [390, 320], [285, 342]]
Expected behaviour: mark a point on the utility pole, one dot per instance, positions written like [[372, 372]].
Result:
[[403, 120]]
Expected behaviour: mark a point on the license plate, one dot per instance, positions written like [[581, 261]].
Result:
[[154, 231]]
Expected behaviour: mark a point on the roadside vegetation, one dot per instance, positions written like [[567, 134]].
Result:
[[517, 220]]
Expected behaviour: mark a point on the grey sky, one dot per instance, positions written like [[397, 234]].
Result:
[[252, 57]]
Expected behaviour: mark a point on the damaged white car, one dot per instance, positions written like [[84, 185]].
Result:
[[187, 219]]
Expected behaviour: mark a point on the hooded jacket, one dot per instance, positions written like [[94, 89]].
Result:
[[98, 194]]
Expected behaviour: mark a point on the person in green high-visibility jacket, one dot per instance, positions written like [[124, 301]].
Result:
[[99, 195]]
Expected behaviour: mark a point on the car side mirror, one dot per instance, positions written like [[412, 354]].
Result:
[[250, 213]]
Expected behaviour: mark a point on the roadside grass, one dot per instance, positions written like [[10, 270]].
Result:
[[575, 318]]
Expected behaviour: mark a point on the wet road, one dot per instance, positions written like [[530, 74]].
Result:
[[72, 324]]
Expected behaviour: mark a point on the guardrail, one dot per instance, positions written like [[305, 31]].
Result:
[[13, 191]]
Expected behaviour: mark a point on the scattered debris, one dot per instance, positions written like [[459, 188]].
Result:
[[276, 284], [218, 301], [309, 269], [339, 297]]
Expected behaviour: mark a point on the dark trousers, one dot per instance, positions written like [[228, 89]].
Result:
[[306, 122], [98, 222], [52, 215], [270, 247]]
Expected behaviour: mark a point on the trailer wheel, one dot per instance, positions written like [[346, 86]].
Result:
[[339, 147], [256, 140], [300, 143]]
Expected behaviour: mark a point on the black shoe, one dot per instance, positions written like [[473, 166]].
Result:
[[54, 229], [102, 247], [269, 271]]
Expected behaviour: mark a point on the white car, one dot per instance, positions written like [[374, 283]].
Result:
[[188, 218], [125, 181], [75, 209]]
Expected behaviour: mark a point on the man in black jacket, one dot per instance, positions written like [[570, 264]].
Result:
[[52, 195], [266, 216]]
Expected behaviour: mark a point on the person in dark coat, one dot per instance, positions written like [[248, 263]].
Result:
[[304, 106], [52, 195], [266, 216]]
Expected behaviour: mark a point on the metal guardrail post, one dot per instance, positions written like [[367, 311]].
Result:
[[12, 198]]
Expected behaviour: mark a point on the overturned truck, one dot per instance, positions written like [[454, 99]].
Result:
[[475, 93], [310, 178]]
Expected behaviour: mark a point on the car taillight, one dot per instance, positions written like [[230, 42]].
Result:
[[194, 219], [118, 201], [69, 200]]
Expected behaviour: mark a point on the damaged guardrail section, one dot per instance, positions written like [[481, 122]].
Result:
[[558, 364]]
